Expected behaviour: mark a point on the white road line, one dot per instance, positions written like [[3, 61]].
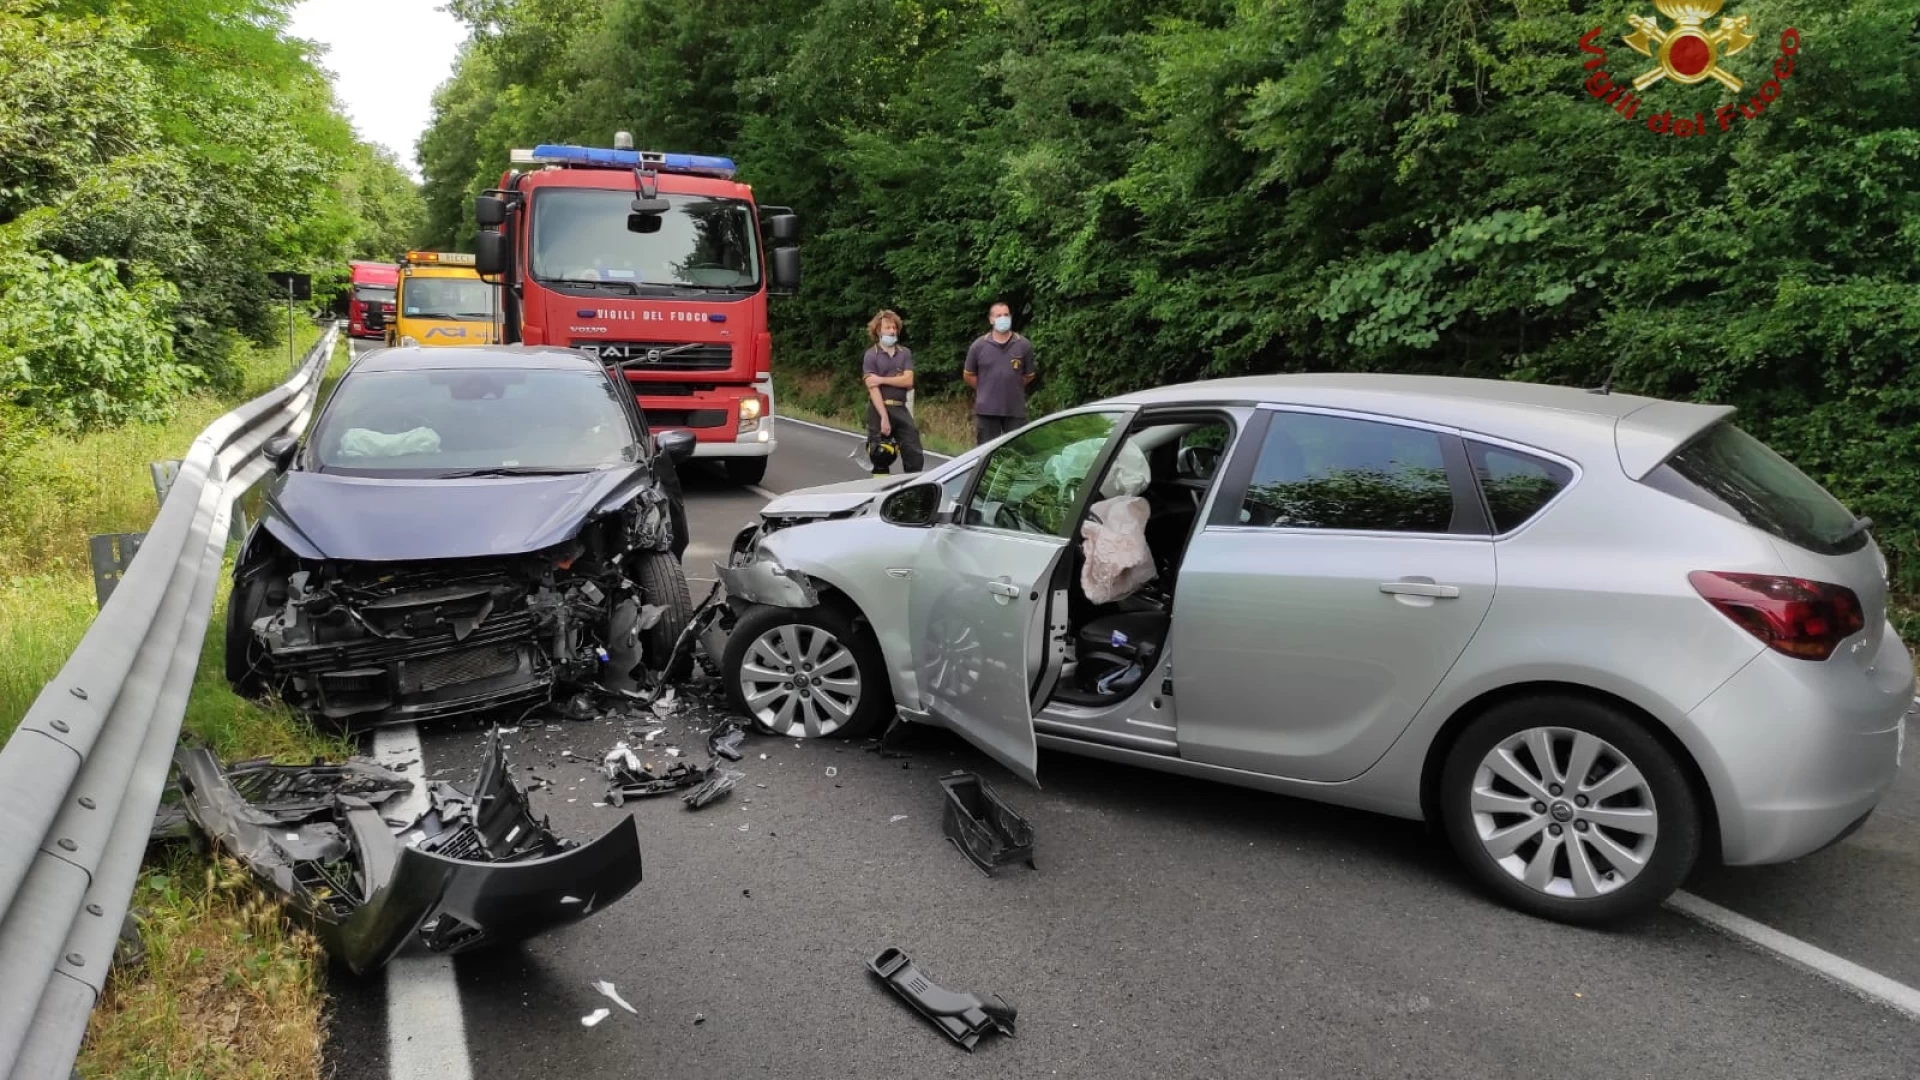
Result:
[[426, 1031], [1868, 984], [762, 492]]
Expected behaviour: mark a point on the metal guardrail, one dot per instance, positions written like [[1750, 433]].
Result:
[[81, 777]]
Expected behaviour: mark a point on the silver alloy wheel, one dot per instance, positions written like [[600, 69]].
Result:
[[1564, 812], [800, 681]]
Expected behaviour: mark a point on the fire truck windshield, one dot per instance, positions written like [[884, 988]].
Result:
[[374, 294], [448, 298], [580, 237]]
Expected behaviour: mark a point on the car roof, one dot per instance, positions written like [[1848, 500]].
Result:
[[477, 358]]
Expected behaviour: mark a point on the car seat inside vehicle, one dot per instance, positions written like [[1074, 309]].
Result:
[[1116, 634]]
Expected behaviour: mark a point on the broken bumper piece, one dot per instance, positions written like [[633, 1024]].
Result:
[[473, 870], [761, 580], [986, 830], [962, 1017]]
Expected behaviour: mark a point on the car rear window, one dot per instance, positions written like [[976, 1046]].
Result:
[[1734, 474], [1517, 485]]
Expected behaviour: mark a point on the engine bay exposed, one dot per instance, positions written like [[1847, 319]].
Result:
[[399, 641]]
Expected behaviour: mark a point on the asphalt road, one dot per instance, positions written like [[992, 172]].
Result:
[[1173, 928]]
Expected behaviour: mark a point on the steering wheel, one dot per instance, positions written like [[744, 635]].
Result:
[[1197, 461]]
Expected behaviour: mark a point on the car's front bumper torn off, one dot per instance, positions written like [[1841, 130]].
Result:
[[472, 870]]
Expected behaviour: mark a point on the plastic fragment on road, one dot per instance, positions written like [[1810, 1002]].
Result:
[[832, 772], [613, 995], [595, 1017], [664, 706], [960, 1017], [725, 741], [896, 817], [982, 827], [641, 783], [719, 781]]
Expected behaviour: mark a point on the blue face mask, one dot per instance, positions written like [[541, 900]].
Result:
[[889, 340], [1003, 323]]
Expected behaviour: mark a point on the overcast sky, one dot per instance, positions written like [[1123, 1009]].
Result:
[[386, 58]]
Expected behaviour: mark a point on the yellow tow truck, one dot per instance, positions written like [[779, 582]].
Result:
[[442, 301]]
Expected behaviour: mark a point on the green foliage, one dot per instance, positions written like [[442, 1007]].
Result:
[[1174, 189], [171, 152], [79, 348]]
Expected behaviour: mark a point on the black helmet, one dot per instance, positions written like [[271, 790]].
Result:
[[883, 452]]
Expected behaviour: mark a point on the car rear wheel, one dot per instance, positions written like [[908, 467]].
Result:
[[1569, 809], [746, 471], [806, 672], [663, 582]]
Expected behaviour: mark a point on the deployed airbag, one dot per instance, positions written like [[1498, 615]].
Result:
[[1118, 560], [368, 443]]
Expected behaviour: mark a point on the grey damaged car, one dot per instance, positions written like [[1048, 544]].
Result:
[[464, 529], [1592, 637]]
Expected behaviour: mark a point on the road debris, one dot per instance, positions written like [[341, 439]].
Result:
[[896, 818], [699, 1018], [595, 1017], [832, 772], [960, 1017], [613, 995], [719, 781], [472, 870], [982, 827], [644, 782], [725, 740]]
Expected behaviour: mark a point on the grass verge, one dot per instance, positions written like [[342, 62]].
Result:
[[229, 988]]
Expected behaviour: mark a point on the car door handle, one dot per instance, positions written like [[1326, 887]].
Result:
[[1421, 588], [1003, 588], [899, 572]]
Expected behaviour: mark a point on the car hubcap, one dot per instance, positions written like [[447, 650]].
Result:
[[1564, 812], [800, 681]]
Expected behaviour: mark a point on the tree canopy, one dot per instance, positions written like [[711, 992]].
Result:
[[157, 159], [1172, 189]]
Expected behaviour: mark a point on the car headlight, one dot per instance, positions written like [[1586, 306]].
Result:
[[749, 409]]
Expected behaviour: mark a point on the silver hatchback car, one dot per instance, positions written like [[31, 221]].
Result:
[[1589, 635]]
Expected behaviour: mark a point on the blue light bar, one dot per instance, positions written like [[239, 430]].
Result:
[[599, 158]]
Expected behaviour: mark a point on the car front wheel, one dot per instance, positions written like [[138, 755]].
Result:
[[1569, 809], [806, 672]]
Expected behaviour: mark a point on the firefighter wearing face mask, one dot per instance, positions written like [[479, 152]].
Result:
[[888, 370], [999, 368]]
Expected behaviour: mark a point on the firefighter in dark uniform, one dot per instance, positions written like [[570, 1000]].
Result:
[[888, 371]]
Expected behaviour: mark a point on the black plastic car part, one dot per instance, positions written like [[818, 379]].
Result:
[[962, 1017], [986, 830], [473, 870]]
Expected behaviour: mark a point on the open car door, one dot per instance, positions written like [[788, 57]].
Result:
[[980, 591]]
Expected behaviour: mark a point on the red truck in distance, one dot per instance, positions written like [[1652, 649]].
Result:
[[661, 263], [370, 283]]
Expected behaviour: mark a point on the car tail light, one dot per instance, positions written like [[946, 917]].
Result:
[[1801, 618]]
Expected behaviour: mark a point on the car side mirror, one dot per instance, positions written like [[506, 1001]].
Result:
[[916, 505], [280, 450], [489, 211], [676, 444], [786, 230]]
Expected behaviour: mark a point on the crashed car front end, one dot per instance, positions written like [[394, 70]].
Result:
[[381, 641], [471, 870]]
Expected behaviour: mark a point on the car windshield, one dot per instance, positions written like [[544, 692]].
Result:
[[1734, 474], [448, 298], [452, 422], [369, 294], [581, 236]]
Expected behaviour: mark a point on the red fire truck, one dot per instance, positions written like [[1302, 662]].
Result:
[[658, 263], [371, 283]]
